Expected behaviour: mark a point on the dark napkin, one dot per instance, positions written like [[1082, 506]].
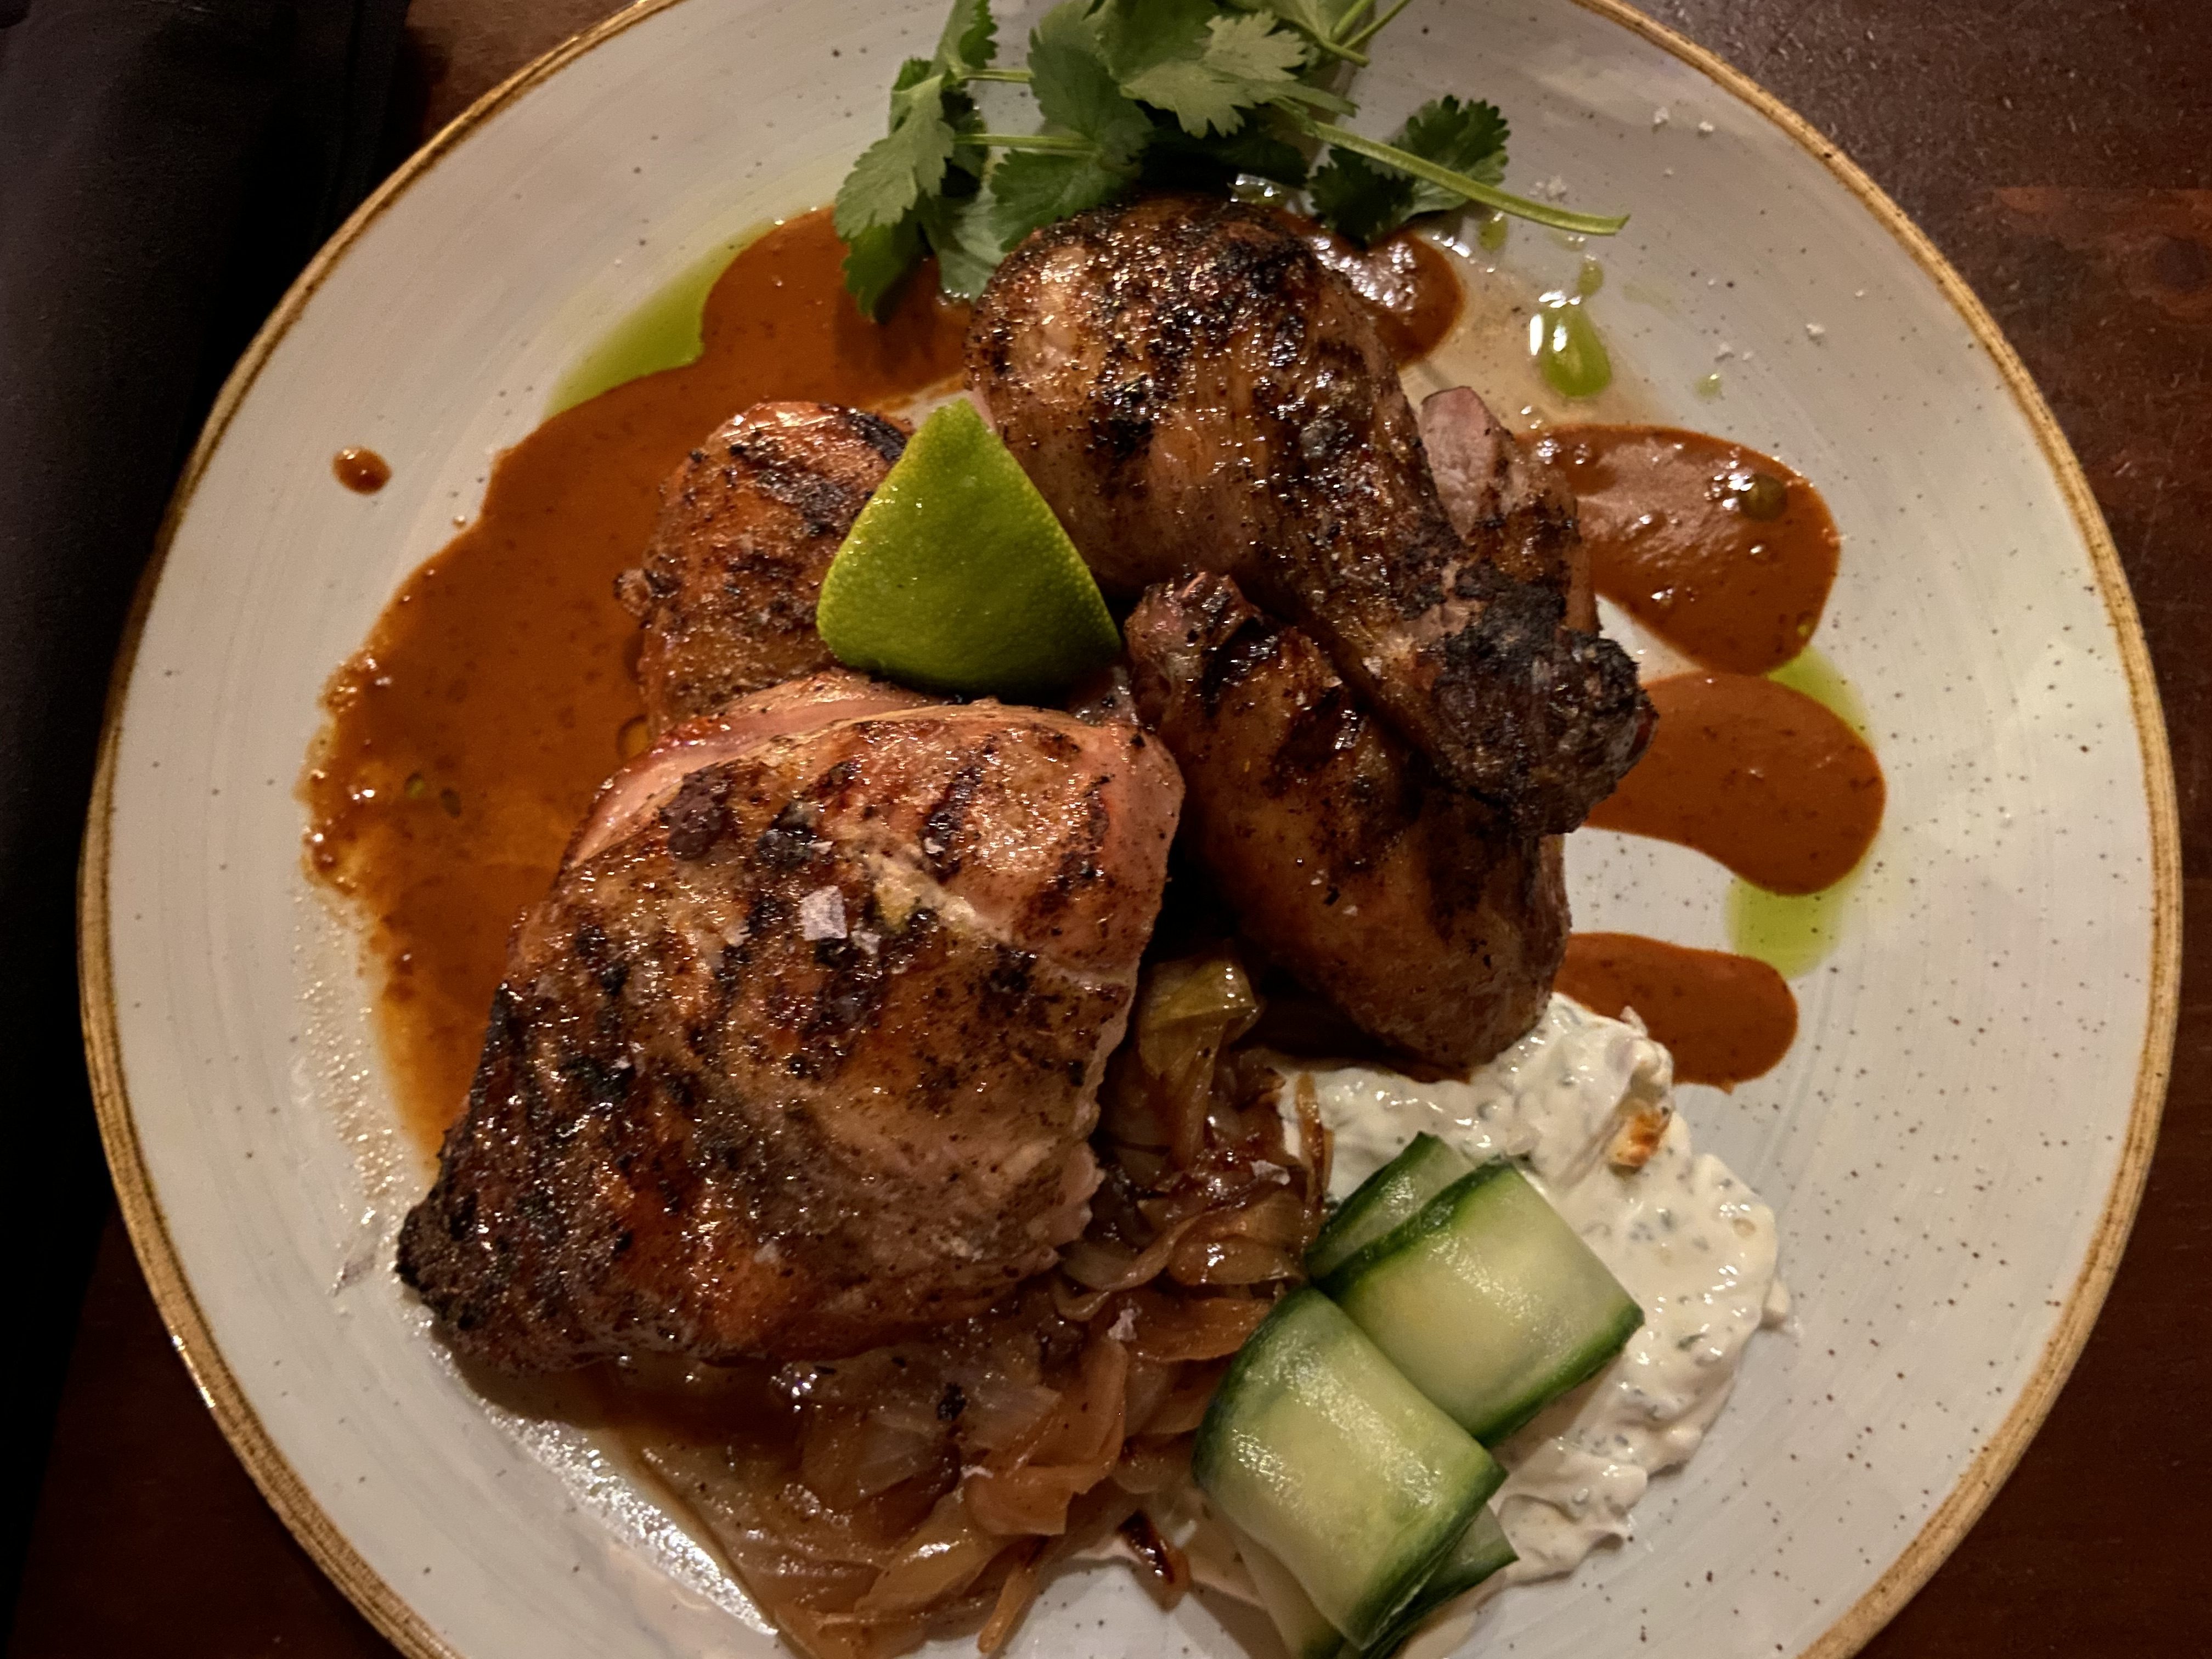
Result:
[[165, 167]]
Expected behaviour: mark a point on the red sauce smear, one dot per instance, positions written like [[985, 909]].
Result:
[[361, 471], [466, 738], [1722, 552], [1725, 1019], [1760, 777]]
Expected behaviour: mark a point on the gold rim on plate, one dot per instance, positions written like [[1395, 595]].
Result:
[[389, 1612]]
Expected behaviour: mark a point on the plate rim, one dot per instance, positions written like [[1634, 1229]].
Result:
[[396, 1619]]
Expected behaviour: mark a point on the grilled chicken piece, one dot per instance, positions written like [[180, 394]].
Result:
[[800, 1054], [747, 525], [1501, 495], [1408, 904], [1191, 389]]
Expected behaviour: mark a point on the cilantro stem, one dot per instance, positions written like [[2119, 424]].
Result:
[[1542, 213], [1353, 13], [1019, 77], [1349, 54], [1363, 36], [1048, 143]]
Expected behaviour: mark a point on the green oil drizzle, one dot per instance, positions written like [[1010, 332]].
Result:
[[1590, 278], [1794, 935], [1708, 386], [662, 333], [1811, 672], [1569, 353], [1489, 234]]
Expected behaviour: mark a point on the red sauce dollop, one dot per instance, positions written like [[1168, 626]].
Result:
[[1724, 553], [1725, 1019], [1755, 774]]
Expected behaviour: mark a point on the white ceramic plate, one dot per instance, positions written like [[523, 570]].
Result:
[[1955, 1145]]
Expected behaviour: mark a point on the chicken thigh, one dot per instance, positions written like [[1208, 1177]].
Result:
[[1191, 389], [800, 1054]]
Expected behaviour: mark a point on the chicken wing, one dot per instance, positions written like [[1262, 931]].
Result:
[[1406, 903], [1191, 389]]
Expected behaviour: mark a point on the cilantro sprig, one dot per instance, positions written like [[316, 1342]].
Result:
[[1153, 92]]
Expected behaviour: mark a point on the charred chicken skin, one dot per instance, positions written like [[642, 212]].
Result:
[[748, 526], [800, 1054], [1408, 904], [1191, 389]]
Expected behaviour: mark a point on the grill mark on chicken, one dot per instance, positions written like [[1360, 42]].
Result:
[[1190, 387], [704, 1123], [748, 526], [1423, 914]]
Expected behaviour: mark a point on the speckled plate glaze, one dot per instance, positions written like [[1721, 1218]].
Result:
[[1954, 1146]]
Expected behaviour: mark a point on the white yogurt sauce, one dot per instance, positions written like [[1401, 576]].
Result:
[[1688, 1240]]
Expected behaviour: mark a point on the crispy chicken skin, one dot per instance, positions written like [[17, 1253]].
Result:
[[1191, 389], [748, 526], [800, 1054], [1500, 495], [1406, 903]]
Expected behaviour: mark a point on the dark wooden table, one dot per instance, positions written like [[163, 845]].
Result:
[[2060, 152]]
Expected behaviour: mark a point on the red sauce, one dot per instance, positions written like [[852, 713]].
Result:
[[1725, 1019], [1411, 289], [1754, 774], [361, 471], [1724, 553], [466, 739]]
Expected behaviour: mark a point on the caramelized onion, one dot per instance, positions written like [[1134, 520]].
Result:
[[873, 1502]]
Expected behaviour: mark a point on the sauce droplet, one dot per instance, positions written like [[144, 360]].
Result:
[[1725, 1019], [1756, 776], [1569, 354], [1724, 553], [361, 471]]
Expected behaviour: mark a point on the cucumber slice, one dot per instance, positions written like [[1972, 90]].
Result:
[[1487, 1301], [1390, 1195], [1300, 1623], [1337, 1466], [1482, 1550]]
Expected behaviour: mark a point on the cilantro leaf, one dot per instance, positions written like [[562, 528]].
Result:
[[1244, 60], [1366, 202], [1468, 138], [1359, 200], [970, 40], [876, 259], [896, 172], [1074, 89], [1318, 18], [1029, 190], [968, 247]]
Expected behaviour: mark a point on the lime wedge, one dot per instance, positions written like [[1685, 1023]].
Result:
[[956, 576]]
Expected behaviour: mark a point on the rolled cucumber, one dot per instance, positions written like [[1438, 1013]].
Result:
[[1392, 1195], [1482, 1550], [1487, 1301], [1338, 1467], [1305, 1634]]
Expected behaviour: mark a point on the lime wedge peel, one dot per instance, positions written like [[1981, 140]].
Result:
[[956, 576]]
